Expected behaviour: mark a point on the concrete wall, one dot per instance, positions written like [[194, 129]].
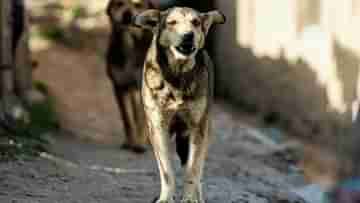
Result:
[[295, 62]]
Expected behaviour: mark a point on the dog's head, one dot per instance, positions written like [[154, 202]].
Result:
[[121, 12], [180, 30]]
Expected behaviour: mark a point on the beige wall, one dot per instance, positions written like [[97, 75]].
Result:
[[307, 46]]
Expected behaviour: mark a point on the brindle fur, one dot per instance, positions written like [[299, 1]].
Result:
[[177, 96], [125, 58]]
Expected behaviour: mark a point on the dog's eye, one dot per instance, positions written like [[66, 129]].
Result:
[[172, 22], [118, 4], [196, 22]]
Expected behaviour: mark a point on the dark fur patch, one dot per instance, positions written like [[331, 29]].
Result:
[[115, 54], [149, 65], [171, 96], [179, 127], [182, 149]]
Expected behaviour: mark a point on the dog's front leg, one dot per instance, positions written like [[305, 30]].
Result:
[[199, 143], [160, 140]]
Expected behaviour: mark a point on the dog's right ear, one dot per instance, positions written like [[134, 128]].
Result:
[[148, 19], [212, 17]]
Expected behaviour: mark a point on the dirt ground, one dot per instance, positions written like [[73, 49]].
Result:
[[85, 101], [78, 171]]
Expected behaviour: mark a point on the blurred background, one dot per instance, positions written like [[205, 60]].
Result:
[[293, 62], [289, 69]]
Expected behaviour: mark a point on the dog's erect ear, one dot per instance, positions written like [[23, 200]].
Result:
[[210, 18], [148, 19]]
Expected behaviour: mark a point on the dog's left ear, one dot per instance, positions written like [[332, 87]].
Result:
[[108, 8], [148, 19], [210, 18]]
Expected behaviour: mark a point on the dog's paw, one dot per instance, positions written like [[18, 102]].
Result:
[[190, 200], [156, 200]]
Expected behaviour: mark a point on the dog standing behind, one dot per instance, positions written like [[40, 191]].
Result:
[[177, 92], [125, 58]]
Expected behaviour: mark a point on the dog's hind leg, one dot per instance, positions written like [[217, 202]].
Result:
[[133, 141], [199, 143], [127, 118], [120, 97], [160, 140], [138, 112]]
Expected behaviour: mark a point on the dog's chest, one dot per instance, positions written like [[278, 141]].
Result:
[[162, 93]]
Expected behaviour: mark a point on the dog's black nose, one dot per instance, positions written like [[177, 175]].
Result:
[[127, 17], [188, 37], [187, 47]]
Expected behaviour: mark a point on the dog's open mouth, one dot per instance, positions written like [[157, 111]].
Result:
[[186, 48]]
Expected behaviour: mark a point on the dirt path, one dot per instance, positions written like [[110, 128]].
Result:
[[85, 101], [236, 171]]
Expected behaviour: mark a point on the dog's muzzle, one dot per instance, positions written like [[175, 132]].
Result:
[[187, 45]]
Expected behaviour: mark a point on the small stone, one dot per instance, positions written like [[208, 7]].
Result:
[[311, 193]]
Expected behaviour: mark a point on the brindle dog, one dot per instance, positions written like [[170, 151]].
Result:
[[125, 58], [177, 93]]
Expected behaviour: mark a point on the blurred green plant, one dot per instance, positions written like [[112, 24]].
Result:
[[54, 33], [24, 139], [78, 11], [43, 116], [41, 86]]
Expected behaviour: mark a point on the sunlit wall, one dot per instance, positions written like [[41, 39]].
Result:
[[324, 33]]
